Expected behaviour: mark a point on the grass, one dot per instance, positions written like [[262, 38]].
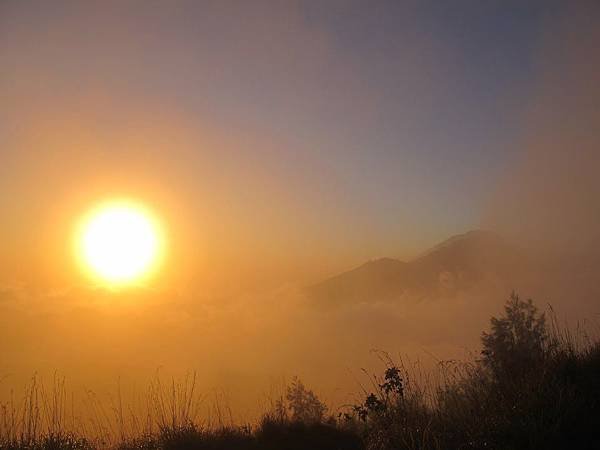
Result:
[[536, 386]]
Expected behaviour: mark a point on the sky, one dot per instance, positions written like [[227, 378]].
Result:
[[287, 140], [278, 144]]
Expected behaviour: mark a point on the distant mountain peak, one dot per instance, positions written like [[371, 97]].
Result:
[[454, 264], [479, 235], [382, 262]]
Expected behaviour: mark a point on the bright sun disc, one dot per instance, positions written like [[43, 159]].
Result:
[[120, 242]]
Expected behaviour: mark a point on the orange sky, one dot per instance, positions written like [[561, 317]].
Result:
[[272, 143], [281, 143], [277, 143]]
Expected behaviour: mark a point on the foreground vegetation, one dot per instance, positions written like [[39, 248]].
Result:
[[534, 387]]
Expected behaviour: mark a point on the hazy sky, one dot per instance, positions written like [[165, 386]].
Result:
[[273, 136], [281, 143]]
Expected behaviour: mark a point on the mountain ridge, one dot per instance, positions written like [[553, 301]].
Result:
[[454, 264]]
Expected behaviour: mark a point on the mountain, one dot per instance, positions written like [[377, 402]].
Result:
[[457, 264]]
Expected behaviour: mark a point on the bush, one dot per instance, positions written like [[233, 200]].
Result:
[[532, 389], [302, 403], [518, 341], [297, 422], [53, 441]]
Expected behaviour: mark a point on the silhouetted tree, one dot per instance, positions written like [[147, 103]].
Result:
[[303, 404], [517, 341]]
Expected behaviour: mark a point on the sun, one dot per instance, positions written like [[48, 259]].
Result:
[[120, 242]]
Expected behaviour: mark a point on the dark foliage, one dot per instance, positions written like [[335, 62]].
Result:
[[52, 441], [517, 342], [270, 435], [532, 389], [302, 404]]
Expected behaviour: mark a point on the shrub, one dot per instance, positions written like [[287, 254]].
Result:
[[301, 404], [517, 342], [532, 389]]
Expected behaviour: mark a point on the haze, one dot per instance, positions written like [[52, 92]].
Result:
[[283, 144]]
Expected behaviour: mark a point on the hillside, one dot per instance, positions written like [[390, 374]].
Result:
[[456, 264]]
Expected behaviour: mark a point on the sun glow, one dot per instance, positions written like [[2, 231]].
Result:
[[120, 243]]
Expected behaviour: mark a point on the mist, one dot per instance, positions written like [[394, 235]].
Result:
[[282, 158]]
